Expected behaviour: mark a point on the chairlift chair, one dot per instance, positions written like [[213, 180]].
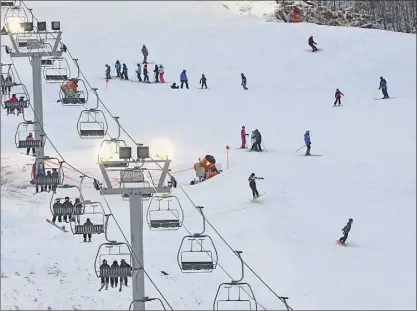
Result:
[[8, 3], [13, 17], [22, 102], [91, 208], [160, 217], [23, 130], [147, 299], [47, 62], [114, 251], [6, 70], [110, 150], [201, 259], [41, 167], [71, 98], [92, 123], [58, 72]]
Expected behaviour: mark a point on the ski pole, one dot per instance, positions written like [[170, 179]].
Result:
[[300, 148], [264, 147]]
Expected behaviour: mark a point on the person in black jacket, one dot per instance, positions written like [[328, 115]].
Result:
[[145, 74], [114, 281], [124, 72], [312, 43], [108, 72], [124, 264], [174, 86], [104, 280], [243, 81], [346, 230], [252, 184], [258, 140], [156, 70], [203, 81], [87, 223]]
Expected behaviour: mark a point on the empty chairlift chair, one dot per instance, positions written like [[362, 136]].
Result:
[[109, 153], [164, 213], [197, 252], [58, 72], [92, 123]]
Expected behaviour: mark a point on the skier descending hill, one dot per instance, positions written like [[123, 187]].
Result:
[[244, 81], [383, 87], [252, 184], [337, 95], [312, 44], [307, 142], [346, 230]]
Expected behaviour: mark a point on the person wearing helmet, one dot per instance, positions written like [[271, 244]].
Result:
[[123, 279], [252, 184], [87, 223], [337, 95], [107, 71], [346, 230], [244, 81], [184, 78], [145, 54], [118, 67], [139, 72], [161, 74], [243, 137], [312, 44], [104, 280], [30, 138], [156, 71], [383, 87], [307, 142], [55, 208]]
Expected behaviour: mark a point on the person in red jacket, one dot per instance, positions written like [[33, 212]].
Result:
[[243, 137], [337, 95], [12, 99]]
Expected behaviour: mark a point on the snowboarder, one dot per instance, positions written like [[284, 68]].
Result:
[[383, 87], [252, 184], [114, 280], [203, 81], [243, 81], [145, 74], [307, 142], [161, 74], [30, 138], [108, 72], [156, 71], [346, 230], [145, 54], [87, 223], [337, 95], [118, 67], [312, 44], [184, 78], [174, 86], [243, 137], [104, 280], [124, 72], [124, 264], [138, 72]]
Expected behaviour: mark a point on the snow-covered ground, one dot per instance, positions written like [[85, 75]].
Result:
[[366, 171]]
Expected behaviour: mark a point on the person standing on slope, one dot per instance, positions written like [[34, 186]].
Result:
[[243, 137], [145, 54], [337, 95], [161, 74], [145, 74], [252, 184], [139, 72], [244, 81], [184, 78], [307, 142], [108, 72], [346, 230], [156, 71], [312, 44], [203, 81], [124, 72], [383, 87], [118, 67]]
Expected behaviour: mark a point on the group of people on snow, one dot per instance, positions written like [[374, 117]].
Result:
[[256, 139]]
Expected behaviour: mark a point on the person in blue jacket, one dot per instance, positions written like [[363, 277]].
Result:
[[118, 67], [139, 72], [184, 79], [307, 142], [383, 87]]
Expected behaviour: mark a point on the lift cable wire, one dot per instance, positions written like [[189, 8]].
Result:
[[183, 190]]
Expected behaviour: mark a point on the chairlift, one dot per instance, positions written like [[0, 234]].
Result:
[[67, 208], [24, 131], [233, 300], [40, 177], [73, 97], [8, 3], [58, 72], [89, 209], [22, 96], [7, 71], [147, 299], [161, 216], [92, 123], [30, 41], [14, 16], [115, 250], [202, 258], [46, 62]]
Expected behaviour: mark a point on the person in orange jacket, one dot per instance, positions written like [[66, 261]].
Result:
[[337, 95], [70, 88]]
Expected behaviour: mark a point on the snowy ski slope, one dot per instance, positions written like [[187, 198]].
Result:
[[366, 171]]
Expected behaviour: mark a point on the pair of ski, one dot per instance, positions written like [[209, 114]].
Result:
[[107, 287], [62, 228]]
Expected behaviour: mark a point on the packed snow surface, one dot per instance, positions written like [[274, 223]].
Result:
[[366, 170]]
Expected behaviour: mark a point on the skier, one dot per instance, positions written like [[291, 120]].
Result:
[[57, 205], [252, 184], [12, 99], [48, 175], [104, 280], [118, 67], [203, 81], [312, 44], [40, 174], [9, 83], [383, 87], [108, 72], [3, 84], [346, 230], [68, 205], [124, 72], [307, 142], [70, 88], [145, 74], [161, 74], [243, 81], [253, 141], [30, 138], [138, 72], [54, 175], [337, 95], [114, 280], [243, 137], [124, 264], [184, 79], [145, 54], [156, 71], [174, 86], [258, 140], [87, 223]]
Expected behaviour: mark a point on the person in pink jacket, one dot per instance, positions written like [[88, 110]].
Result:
[[30, 137], [243, 137]]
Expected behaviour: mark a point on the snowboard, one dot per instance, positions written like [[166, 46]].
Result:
[[384, 98], [55, 225], [343, 245], [311, 155], [314, 51], [258, 197]]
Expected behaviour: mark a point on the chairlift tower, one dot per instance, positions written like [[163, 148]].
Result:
[[136, 183], [35, 49]]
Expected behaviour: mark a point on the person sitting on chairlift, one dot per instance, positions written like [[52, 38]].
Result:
[[114, 280], [12, 99], [124, 264], [70, 88], [104, 280], [87, 223], [30, 138], [40, 174]]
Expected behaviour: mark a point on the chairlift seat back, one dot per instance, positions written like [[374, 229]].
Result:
[[46, 181], [165, 223], [89, 229], [57, 78], [115, 272], [115, 164], [29, 143], [16, 105], [47, 62], [7, 3], [197, 265], [92, 133], [74, 100]]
